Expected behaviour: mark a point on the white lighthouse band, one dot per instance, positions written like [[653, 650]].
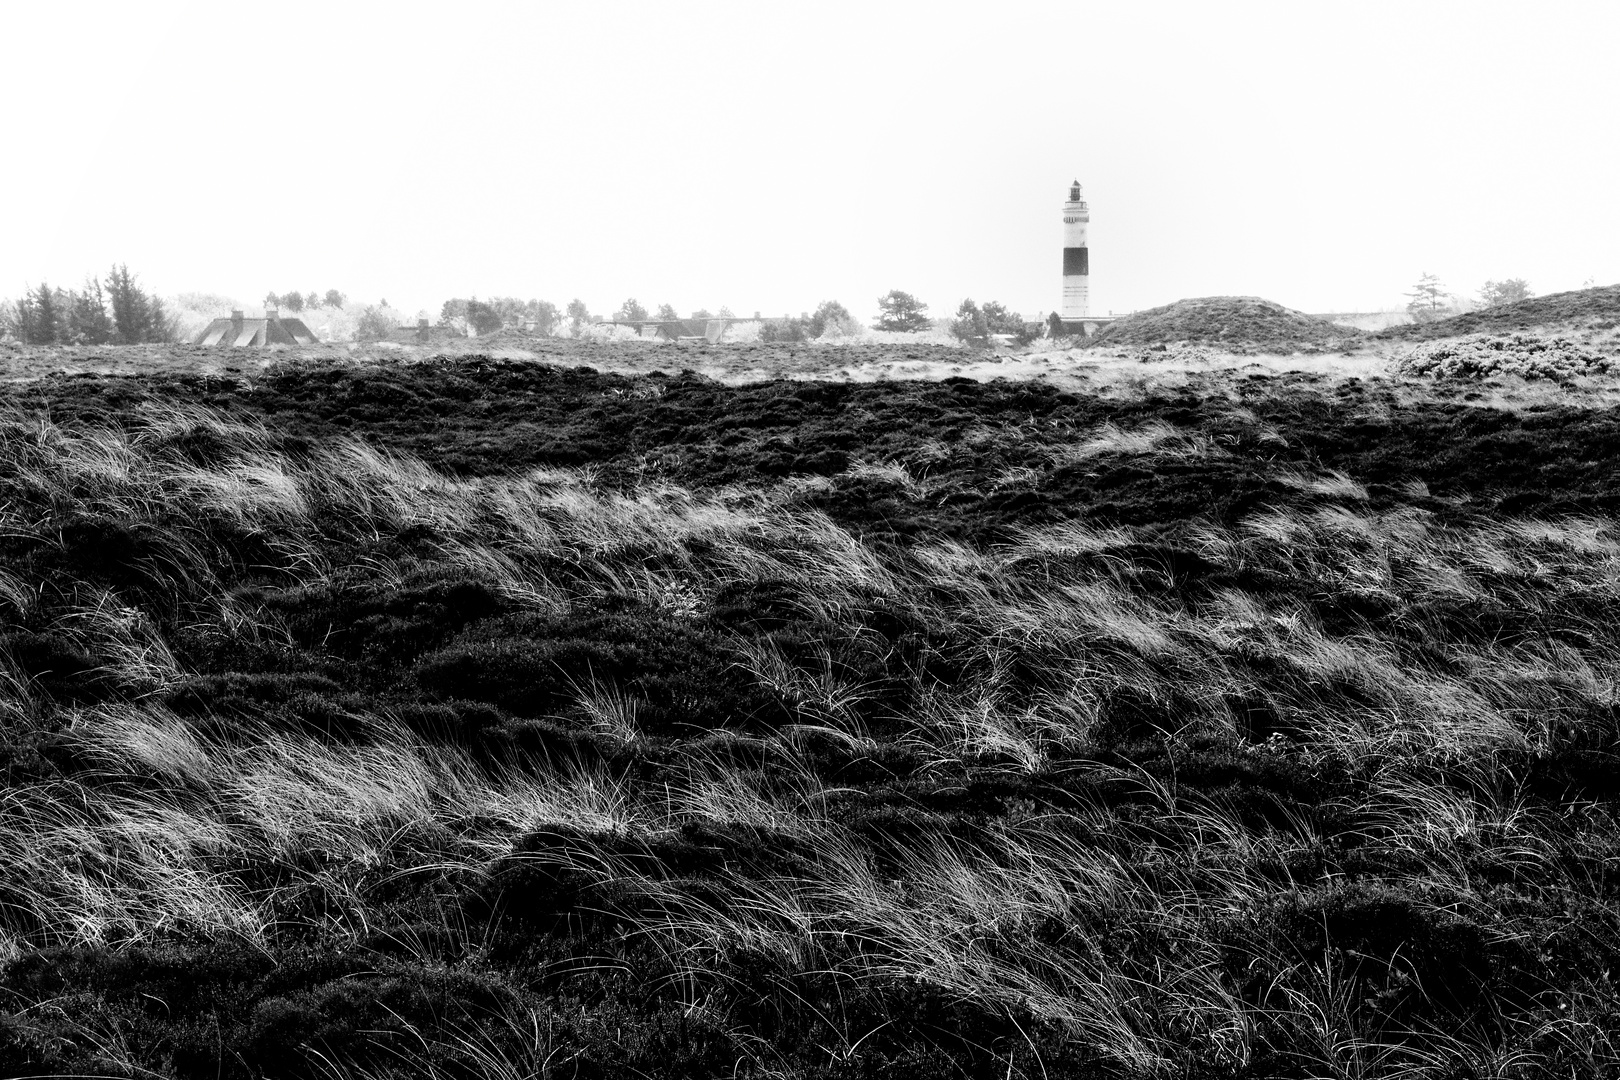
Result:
[[1076, 257]]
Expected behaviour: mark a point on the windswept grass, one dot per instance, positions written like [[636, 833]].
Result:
[[324, 762]]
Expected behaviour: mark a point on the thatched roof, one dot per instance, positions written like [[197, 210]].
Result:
[[270, 330]]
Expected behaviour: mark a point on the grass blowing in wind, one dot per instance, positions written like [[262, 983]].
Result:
[[326, 759]]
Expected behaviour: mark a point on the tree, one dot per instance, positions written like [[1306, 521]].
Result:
[[546, 317], [482, 318], [970, 324], [508, 310], [1027, 333], [901, 311], [453, 316], [630, 311], [375, 324], [87, 319], [578, 315], [724, 313], [272, 300], [702, 313], [783, 330], [1496, 293], [1000, 320], [511, 310], [334, 299], [39, 316], [831, 317], [1054, 325], [1427, 300], [137, 317], [473, 317], [667, 313], [312, 300]]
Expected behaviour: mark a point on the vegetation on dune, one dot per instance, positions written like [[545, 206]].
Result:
[[1595, 308], [830, 320], [1506, 291], [324, 762], [976, 324], [959, 459], [1239, 324], [1556, 359]]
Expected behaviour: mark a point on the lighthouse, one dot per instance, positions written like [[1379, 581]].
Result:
[[1076, 265]]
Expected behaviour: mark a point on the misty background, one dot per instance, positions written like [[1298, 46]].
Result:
[[770, 158]]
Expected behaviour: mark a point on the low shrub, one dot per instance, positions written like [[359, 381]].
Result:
[[1555, 359]]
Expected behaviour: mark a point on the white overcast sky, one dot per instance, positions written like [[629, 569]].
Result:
[[767, 157]]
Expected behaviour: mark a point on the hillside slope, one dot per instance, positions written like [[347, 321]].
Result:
[[1581, 309]]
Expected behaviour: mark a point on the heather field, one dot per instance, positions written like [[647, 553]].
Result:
[[582, 710]]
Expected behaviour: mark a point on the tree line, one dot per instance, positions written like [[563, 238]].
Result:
[[118, 310], [114, 311], [1428, 300], [897, 311], [296, 301]]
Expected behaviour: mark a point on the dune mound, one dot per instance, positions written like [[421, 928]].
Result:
[[1245, 324], [1581, 309]]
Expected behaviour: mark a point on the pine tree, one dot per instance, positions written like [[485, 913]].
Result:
[[46, 324], [970, 324], [128, 306], [1000, 319], [137, 317], [87, 320], [160, 325], [1427, 300], [901, 311]]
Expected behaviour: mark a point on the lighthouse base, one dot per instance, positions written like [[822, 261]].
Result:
[[1076, 297], [1081, 328]]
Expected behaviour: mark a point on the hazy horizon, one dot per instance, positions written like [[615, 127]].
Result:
[[724, 154]]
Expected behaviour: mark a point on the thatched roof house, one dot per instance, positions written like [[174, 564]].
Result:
[[270, 330]]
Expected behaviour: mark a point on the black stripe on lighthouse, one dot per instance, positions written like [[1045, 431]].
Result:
[[1075, 261]]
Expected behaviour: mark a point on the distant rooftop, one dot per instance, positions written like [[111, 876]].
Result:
[[270, 330]]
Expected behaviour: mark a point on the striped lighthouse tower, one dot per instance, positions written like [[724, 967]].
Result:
[[1076, 264]]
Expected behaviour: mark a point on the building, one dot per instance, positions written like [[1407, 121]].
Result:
[[1076, 257], [424, 333], [1075, 310], [270, 330]]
